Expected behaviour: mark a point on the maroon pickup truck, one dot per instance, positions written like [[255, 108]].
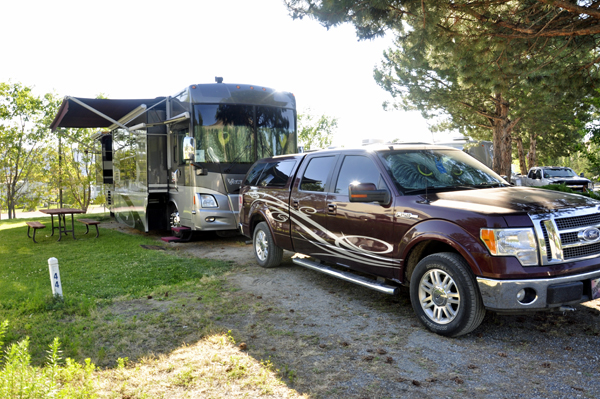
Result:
[[431, 218]]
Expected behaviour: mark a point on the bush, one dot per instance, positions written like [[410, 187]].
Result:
[[563, 188], [18, 379]]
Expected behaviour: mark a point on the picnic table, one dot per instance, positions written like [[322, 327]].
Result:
[[62, 222]]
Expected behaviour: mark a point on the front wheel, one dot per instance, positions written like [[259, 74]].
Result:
[[445, 296], [266, 252]]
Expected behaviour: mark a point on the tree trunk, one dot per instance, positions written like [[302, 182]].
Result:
[[532, 156], [502, 128], [522, 163]]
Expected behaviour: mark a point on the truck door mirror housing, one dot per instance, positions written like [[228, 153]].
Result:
[[189, 148], [367, 192]]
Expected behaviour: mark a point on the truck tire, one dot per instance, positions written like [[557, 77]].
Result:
[[445, 296], [266, 252]]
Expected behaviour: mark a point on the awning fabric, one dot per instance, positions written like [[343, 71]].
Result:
[[74, 115]]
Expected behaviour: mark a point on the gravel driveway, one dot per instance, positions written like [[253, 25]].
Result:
[[332, 339]]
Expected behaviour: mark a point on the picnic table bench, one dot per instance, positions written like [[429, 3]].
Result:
[[34, 226], [88, 223]]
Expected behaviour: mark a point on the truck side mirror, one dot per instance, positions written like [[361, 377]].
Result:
[[581, 174], [189, 148], [368, 192]]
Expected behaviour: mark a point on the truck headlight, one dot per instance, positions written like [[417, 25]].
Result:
[[208, 201], [512, 242]]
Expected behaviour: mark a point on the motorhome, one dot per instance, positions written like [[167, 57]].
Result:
[[178, 162]]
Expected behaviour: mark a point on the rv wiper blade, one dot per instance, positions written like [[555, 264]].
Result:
[[237, 158]]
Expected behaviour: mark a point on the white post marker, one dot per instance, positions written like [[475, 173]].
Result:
[[55, 277]]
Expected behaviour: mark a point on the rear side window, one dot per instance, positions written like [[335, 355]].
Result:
[[276, 174], [254, 174], [315, 175]]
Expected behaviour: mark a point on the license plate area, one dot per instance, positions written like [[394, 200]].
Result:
[[596, 288]]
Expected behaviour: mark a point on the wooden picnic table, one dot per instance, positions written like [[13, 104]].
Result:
[[62, 222]]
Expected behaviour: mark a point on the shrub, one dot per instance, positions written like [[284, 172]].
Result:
[[18, 379]]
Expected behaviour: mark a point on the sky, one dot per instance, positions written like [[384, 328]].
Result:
[[147, 49]]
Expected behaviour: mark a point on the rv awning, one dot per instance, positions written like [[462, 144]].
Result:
[[73, 114]]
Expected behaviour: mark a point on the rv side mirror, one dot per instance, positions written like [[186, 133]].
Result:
[[189, 148], [368, 192], [200, 169]]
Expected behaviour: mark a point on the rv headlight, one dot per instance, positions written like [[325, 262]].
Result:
[[208, 201], [512, 242]]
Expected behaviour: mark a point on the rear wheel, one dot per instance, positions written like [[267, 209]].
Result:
[[266, 252], [445, 296], [174, 219]]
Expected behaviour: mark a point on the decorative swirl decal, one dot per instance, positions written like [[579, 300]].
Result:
[[343, 248], [344, 240], [308, 209], [279, 215]]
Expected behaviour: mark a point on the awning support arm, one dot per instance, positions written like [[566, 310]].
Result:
[[108, 118]]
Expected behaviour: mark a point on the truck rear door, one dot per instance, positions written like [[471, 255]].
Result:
[[308, 205]]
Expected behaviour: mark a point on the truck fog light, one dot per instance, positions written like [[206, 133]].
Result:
[[526, 296], [210, 219]]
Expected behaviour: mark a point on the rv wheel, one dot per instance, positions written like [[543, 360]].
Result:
[[174, 220]]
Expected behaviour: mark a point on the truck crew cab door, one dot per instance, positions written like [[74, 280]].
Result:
[[308, 206], [361, 233]]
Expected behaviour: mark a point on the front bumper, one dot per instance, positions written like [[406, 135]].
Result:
[[502, 295]]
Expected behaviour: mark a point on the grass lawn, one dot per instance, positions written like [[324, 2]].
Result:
[[121, 301], [93, 273]]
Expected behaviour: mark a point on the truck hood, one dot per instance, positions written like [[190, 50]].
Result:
[[511, 200]]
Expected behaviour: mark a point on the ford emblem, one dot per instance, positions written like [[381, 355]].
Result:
[[590, 234]]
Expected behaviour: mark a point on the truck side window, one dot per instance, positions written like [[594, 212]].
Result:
[[276, 174], [538, 174], [254, 174], [360, 169], [315, 175]]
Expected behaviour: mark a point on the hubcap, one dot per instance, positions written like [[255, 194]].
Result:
[[261, 246], [175, 220], [439, 296]]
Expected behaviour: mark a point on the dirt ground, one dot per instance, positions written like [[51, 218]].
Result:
[[339, 340]]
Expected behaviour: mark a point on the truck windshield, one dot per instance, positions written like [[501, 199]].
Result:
[[231, 133], [420, 170], [563, 172]]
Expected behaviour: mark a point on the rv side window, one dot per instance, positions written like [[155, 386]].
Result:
[[276, 174]]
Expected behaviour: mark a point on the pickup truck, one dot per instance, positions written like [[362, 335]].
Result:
[[430, 218], [545, 175]]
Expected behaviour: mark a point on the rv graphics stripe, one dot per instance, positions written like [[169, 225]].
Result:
[[342, 247]]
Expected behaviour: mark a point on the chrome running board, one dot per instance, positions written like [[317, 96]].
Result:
[[365, 282]]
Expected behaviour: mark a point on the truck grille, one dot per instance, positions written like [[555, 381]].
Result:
[[563, 239], [578, 221]]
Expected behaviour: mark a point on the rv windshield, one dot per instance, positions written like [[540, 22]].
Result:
[[419, 170], [231, 133]]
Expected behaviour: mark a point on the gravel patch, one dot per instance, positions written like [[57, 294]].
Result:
[[332, 339]]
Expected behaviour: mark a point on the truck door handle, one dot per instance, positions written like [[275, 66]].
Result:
[[295, 204], [331, 208]]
